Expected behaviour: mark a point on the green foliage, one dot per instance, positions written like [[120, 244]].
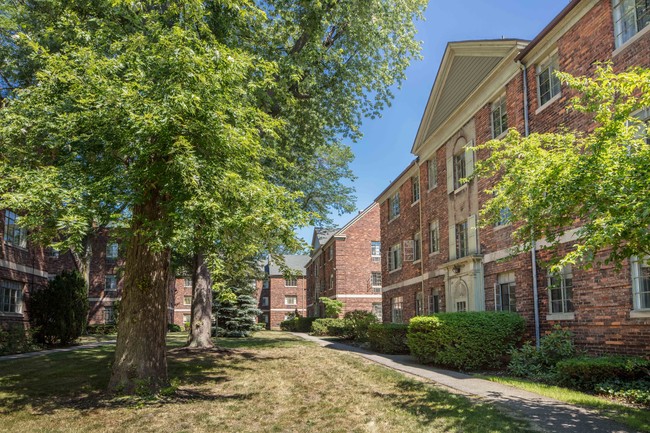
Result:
[[101, 329], [585, 373], [172, 327], [297, 324], [388, 337], [330, 327], [333, 307], [467, 341], [358, 322], [535, 364], [635, 392], [16, 339], [239, 318], [548, 181], [59, 312]]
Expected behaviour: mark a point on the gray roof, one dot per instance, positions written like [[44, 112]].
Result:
[[324, 234], [295, 263]]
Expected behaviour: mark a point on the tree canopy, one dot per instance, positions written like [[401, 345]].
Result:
[[596, 182]]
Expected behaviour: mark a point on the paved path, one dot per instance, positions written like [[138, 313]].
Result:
[[47, 352], [544, 413]]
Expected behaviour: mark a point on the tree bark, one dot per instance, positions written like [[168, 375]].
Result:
[[140, 355], [201, 320]]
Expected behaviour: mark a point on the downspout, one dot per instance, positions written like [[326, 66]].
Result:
[[421, 237], [533, 255]]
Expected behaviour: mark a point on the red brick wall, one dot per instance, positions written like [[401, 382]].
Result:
[[277, 291]]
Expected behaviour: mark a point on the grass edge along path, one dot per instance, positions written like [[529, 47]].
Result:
[[273, 382], [637, 418]]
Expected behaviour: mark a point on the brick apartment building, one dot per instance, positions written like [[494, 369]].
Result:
[[280, 294], [436, 258], [345, 264]]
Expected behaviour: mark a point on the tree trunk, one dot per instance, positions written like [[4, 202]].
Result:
[[201, 321], [140, 356]]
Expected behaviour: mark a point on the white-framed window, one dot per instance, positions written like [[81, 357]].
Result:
[[417, 247], [499, 117], [187, 319], [459, 169], [187, 282], [109, 315], [434, 237], [415, 188], [419, 303], [560, 291], [433, 304], [265, 301], [375, 281], [11, 296], [640, 284], [112, 250], [291, 300], [291, 282], [396, 309], [375, 251], [110, 283], [393, 206], [504, 293], [432, 173], [14, 235], [548, 85], [395, 257], [377, 310], [630, 17], [187, 300], [330, 252], [461, 239]]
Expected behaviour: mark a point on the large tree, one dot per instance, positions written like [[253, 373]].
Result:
[[182, 119], [597, 181]]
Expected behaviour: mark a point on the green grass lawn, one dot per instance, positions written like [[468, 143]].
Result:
[[273, 382], [637, 418]]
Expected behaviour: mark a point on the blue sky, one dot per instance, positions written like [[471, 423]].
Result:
[[384, 150]]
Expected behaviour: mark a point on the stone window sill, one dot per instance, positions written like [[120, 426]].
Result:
[[561, 316], [640, 314]]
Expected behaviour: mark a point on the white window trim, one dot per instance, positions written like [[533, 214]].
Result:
[[494, 104], [432, 162], [637, 311], [560, 315], [290, 296], [638, 35], [538, 70], [391, 200]]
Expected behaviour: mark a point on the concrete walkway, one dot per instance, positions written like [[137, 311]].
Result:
[[544, 413], [50, 351]]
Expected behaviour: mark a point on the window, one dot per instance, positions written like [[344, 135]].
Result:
[[111, 251], [187, 282], [109, 315], [332, 282], [504, 293], [265, 301], [53, 253], [375, 251], [548, 85], [396, 309], [499, 117], [376, 310], [434, 303], [461, 240], [415, 189], [110, 283], [504, 217], [395, 257], [459, 169], [461, 306], [375, 281], [187, 300], [630, 17], [14, 235], [393, 206], [640, 284], [265, 318], [432, 173], [434, 237], [291, 300], [560, 291], [265, 283], [417, 247], [291, 282], [330, 252], [187, 319], [419, 303], [11, 296]]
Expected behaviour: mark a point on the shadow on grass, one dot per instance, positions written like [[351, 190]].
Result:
[[79, 379], [449, 412]]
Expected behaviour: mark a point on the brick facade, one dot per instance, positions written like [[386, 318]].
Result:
[[603, 317], [341, 265]]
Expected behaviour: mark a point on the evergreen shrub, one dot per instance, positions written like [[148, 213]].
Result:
[[467, 340], [585, 373], [330, 327], [297, 324], [388, 338], [357, 324]]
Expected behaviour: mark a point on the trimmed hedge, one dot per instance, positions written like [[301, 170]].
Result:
[[331, 327], [466, 341], [357, 323], [585, 372], [388, 338], [101, 329], [297, 324]]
